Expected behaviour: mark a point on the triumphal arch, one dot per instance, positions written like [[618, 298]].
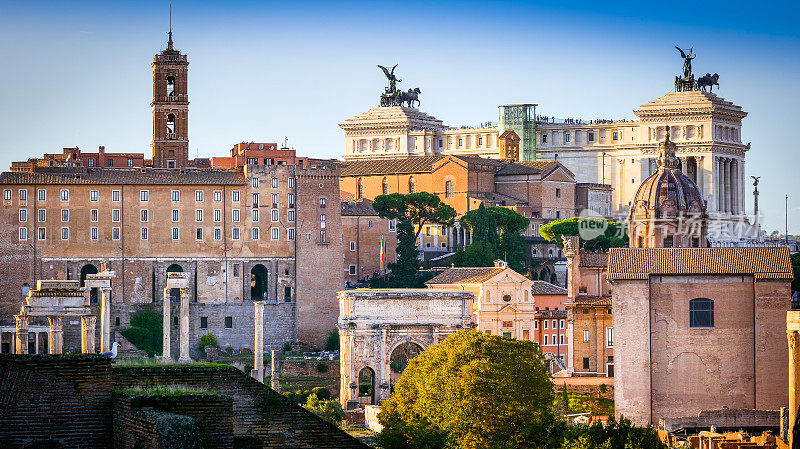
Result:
[[380, 330]]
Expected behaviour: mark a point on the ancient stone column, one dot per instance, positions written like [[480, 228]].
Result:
[[56, 334], [184, 326], [273, 383], [258, 340], [88, 323], [105, 320], [167, 326], [21, 335], [793, 337]]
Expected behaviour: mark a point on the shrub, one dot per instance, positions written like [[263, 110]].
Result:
[[322, 367], [146, 331], [333, 341], [207, 340], [287, 347], [322, 393], [603, 388], [330, 411]]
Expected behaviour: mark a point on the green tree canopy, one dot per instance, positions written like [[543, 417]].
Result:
[[412, 211], [470, 391], [495, 235], [609, 234], [146, 331]]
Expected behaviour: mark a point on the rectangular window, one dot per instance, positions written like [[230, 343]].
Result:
[[176, 215], [143, 215], [236, 270], [114, 233], [64, 195], [392, 225], [65, 233], [255, 233], [291, 183], [274, 183], [93, 215], [290, 234], [7, 195], [591, 137], [115, 215], [228, 322], [94, 195], [352, 269], [217, 234], [130, 162], [274, 200], [254, 215], [110, 162], [217, 196], [287, 294], [42, 233], [275, 234], [255, 183], [198, 196], [176, 196], [42, 215], [352, 246], [235, 215], [701, 312], [290, 215], [558, 193], [546, 340], [235, 233], [369, 223], [176, 233], [561, 339], [144, 195], [64, 215], [144, 233], [235, 196], [546, 324], [93, 232], [585, 335], [544, 138], [198, 215], [115, 196], [255, 200], [23, 195], [586, 363], [203, 322], [23, 233], [567, 137], [275, 216], [291, 200], [322, 202], [198, 234], [561, 324], [42, 195], [615, 136], [217, 215], [609, 337]]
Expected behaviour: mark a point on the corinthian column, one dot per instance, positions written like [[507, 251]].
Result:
[[88, 323], [184, 327], [21, 337], [166, 326], [56, 334], [105, 320]]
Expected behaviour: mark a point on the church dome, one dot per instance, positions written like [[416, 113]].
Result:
[[668, 191]]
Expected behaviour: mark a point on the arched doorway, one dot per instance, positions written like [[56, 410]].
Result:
[[399, 358], [366, 386], [258, 282], [86, 270], [174, 293]]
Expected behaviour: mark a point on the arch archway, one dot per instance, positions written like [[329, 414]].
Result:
[[366, 385], [86, 270], [258, 282], [401, 354], [174, 293]]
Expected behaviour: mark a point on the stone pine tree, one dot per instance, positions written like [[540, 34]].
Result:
[[604, 234], [495, 235], [412, 211]]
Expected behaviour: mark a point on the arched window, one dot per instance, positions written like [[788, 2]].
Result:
[[170, 86], [174, 293], [385, 186], [360, 192], [448, 189], [701, 312], [170, 123], [258, 282], [412, 186], [85, 270]]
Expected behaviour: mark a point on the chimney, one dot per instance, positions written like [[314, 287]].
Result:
[[102, 149]]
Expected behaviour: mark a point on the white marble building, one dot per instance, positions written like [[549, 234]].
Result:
[[706, 128]]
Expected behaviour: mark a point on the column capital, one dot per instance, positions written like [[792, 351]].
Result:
[[56, 321]]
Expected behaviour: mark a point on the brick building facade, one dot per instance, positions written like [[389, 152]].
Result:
[[370, 242]]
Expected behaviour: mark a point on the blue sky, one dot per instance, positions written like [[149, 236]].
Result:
[[79, 73]]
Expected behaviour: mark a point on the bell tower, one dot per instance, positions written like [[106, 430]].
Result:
[[170, 108]]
